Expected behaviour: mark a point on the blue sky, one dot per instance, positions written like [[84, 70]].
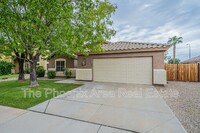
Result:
[[157, 20]]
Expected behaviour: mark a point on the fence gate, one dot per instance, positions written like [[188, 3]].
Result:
[[182, 72]]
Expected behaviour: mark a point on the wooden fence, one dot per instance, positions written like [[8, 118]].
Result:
[[183, 72]]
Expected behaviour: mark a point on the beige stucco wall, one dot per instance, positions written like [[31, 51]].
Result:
[[43, 63], [160, 76], [84, 74], [16, 68], [158, 58]]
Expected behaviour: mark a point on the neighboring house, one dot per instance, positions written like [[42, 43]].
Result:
[[121, 62], [192, 60], [41, 62]]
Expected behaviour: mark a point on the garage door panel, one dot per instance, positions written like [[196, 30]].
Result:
[[104, 68], [142, 72], [123, 70]]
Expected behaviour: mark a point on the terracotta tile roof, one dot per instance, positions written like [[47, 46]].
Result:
[[121, 45], [193, 60]]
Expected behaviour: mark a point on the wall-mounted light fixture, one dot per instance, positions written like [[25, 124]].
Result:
[[83, 63]]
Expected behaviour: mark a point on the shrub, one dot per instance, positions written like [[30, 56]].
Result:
[[67, 73], [27, 71], [40, 71], [51, 74], [5, 67], [171, 61]]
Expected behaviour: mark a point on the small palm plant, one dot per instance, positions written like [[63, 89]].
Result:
[[173, 41]]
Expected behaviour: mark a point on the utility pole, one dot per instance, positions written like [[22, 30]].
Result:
[[189, 51]]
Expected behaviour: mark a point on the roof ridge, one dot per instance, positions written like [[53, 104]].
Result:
[[143, 43], [127, 45]]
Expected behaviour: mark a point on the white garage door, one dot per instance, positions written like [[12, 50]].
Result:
[[123, 70]]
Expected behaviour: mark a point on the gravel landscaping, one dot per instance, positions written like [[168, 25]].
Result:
[[184, 99]]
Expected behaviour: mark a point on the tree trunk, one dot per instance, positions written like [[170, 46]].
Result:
[[174, 55], [21, 69], [20, 59], [33, 76]]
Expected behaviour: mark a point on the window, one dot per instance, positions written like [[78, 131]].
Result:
[[60, 65]]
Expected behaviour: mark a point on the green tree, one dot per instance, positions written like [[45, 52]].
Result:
[[166, 57], [9, 51], [173, 41], [41, 28], [171, 61]]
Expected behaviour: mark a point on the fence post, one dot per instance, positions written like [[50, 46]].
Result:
[[199, 71], [177, 67]]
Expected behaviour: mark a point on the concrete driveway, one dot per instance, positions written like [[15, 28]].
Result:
[[99, 108]]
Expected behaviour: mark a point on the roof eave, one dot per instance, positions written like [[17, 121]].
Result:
[[131, 51]]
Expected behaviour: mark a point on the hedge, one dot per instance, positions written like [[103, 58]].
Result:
[[5, 67]]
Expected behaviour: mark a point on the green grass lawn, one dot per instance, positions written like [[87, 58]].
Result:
[[19, 95], [9, 76]]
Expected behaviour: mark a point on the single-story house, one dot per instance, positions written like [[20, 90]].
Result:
[[121, 62], [192, 60]]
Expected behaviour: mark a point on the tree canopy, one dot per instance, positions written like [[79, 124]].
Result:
[[41, 27], [175, 40], [62, 25], [171, 61]]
